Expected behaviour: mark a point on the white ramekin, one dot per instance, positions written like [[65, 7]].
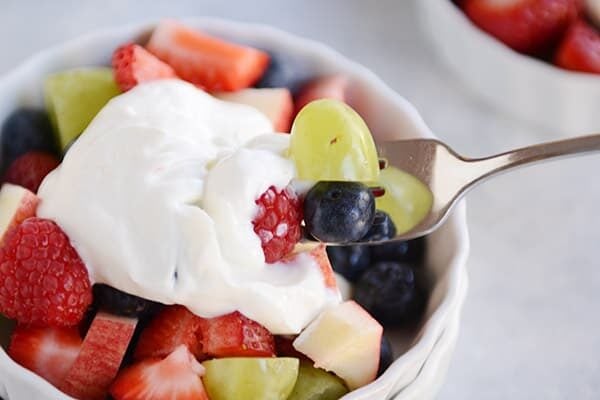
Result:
[[388, 115], [561, 101]]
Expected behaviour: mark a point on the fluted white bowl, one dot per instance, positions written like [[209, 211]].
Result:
[[387, 114]]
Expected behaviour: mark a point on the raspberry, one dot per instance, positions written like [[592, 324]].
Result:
[[42, 279], [30, 169], [277, 222]]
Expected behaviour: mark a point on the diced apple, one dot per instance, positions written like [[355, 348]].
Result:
[[275, 103], [16, 205], [326, 87], [345, 340], [319, 254], [344, 286]]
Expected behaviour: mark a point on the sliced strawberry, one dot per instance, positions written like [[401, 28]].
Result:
[[205, 60], [102, 352], [528, 26], [326, 87], [580, 49], [176, 377], [275, 103], [171, 327], [234, 335], [132, 64], [49, 352]]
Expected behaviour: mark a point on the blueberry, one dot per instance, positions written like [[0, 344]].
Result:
[[349, 261], [391, 293], [386, 355], [117, 302], [383, 228], [339, 212], [27, 130], [411, 251], [283, 71]]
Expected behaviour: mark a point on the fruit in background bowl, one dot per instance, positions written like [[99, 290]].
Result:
[[110, 335], [553, 30]]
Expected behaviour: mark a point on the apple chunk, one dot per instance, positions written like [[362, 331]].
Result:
[[345, 340], [16, 205], [275, 103], [325, 87]]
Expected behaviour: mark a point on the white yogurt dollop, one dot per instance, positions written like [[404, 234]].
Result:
[[158, 197]]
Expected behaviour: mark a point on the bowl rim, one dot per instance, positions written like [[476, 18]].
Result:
[[434, 326], [525, 59]]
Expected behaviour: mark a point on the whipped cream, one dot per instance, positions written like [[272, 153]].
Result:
[[158, 196]]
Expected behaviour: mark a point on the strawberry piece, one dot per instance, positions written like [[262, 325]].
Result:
[[30, 169], [580, 49], [325, 87], [234, 335], [101, 354], [205, 60], [132, 65], [277, 222], [49, 352], [177, 377], [528, 26], [171, 327], [42, 279]]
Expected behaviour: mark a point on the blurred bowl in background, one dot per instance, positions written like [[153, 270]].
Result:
[[561, 101]]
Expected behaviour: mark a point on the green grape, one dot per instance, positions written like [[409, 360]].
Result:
[[251, 378], [74, 97], [331, 142], [317, 384], [407, 200]]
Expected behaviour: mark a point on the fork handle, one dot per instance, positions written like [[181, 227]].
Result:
[[486, 167]]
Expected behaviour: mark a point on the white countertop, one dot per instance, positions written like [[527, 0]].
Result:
[[530, 327]]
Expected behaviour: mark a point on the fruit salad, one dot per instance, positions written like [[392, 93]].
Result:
[[152, 223], [565, 33]]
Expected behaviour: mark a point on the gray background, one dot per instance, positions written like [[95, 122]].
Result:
[[530, 326]]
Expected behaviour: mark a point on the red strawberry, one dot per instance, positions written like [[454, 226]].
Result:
[[528, 26], [277, 222], [132, 64], [30, 169], [172, 327], [176, 377], [580, 49], [49, 352], [234, 335], [205, 60], [326, 87], [42, 279], [101, 354]]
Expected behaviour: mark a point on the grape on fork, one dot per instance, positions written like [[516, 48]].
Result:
[[449, 176]]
